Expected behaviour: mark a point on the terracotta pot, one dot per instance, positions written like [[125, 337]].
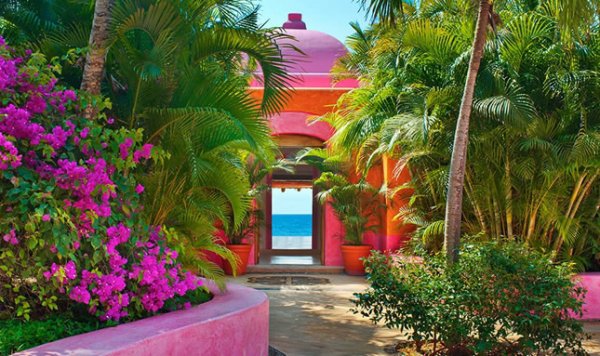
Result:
[[352, 255], [243, 253]]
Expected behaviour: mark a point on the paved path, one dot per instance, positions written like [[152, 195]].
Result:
[[315, 319]]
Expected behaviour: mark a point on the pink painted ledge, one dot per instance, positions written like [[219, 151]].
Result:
[[232, 323], [591, 307]]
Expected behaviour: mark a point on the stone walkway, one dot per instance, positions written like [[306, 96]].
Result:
[[315, 319]]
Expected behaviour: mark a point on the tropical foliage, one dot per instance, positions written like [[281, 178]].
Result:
[[179, 70], [445, 311], [533, 168], [352, 198]]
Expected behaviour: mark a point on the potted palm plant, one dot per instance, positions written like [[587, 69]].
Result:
[[354, 204], [239, 241]]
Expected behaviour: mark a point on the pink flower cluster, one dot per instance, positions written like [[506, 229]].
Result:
[[152, 271], [62, 274], [157, 275], [9, 71], [144, 152], [11, 237], [83, 181], [9, 155], [43, 133]]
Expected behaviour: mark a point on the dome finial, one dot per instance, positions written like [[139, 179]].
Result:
[[294, 22]]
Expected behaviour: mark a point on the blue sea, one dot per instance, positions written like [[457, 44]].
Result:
[[292, 225]]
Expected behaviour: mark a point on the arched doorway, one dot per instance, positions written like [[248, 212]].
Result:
[[293, 233]]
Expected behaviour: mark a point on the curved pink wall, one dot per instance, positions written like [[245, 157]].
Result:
[[232, 323]]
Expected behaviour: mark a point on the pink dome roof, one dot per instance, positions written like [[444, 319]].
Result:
[[320, 51]]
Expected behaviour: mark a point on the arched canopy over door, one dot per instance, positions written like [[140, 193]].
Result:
[[288, 124]]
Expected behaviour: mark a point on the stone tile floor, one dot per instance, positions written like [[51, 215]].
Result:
[[314, 319]]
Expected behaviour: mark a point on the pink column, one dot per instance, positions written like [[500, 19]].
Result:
[[334, 237]]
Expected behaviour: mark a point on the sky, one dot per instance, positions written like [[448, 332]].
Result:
[[292, 201], [329, 16]]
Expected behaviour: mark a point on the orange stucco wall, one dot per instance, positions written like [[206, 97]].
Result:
[[392, 233], [315, 101]]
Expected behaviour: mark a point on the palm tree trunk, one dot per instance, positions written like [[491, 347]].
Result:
[[461, 138], [94, 62], [475, 203], [581, 194], [509, 203], [536, 203]]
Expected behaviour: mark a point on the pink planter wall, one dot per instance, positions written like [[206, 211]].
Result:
[[591, 282], [233, 323]]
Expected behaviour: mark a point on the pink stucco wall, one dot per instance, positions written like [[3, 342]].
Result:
[[233, 323], [394, 242], [334, 237], [591, 282]]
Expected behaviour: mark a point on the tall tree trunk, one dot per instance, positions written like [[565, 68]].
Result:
[[508, 199], [461, 139], [94, 62]]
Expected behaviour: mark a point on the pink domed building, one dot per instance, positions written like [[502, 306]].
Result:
[[315, 94]]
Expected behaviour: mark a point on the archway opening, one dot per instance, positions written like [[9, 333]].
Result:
[[292, 216]]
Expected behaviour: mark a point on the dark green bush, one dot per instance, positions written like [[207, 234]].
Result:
[[499, 299], [17, 335]]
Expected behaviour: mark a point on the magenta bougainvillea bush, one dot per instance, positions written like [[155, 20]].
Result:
[[71, 229]]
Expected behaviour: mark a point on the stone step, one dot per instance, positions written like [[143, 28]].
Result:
[[307, 269]]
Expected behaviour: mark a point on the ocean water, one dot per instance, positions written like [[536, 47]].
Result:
[[292, 225]]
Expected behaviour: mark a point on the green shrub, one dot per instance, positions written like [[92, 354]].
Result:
[[17, 335], [499, 298]]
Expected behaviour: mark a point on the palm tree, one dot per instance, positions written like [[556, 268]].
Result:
[[191, 98], [179, 73], [385, 11], [570, 14], [25, 21], [533, 144], [353, 204], [461, 139]]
